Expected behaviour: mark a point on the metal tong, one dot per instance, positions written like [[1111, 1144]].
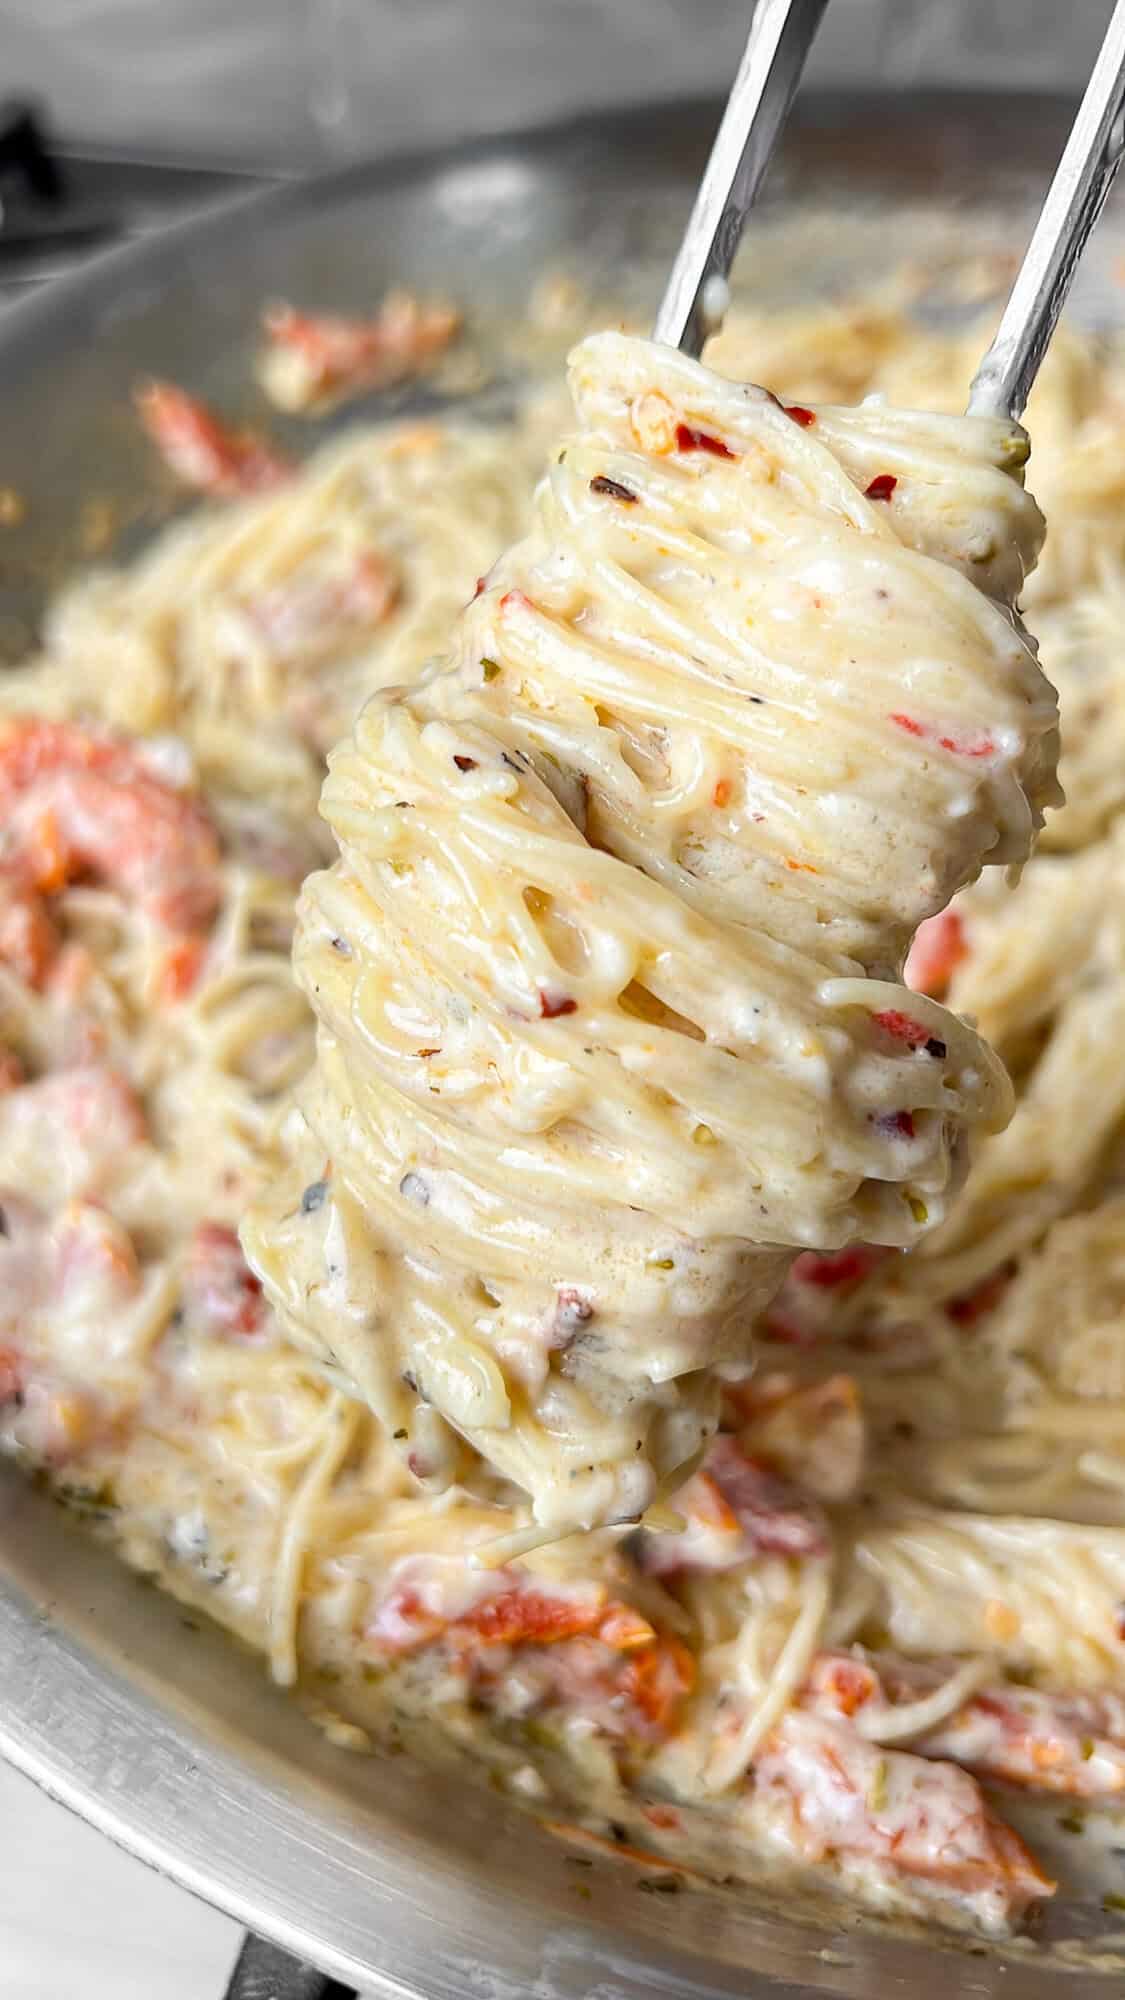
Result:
[[781, 35]]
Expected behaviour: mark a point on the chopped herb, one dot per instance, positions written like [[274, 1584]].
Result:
[[399, 1435], [877, 1791], [1072, 1823], [465, 763], [661, 1263], [489, 669], [1088, 1748], [613, 489], [314, 1197], [917, 1209], [4, 1230], [578, 1861], [1115, 1903], [660, 1885], [94, 1503], [936, 1049]]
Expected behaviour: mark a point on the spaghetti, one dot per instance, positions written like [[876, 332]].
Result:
[[899, 1563]]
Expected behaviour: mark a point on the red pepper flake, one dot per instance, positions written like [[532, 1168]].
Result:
[[903, 1027], [895, 1124], [613, 489], [970, 1306], [881, 487], [482, 585], [551, 1005], [838, 1267], [465, 763], [800, 415], [424, 1053], [721, 794], [980, 746], [803, 867], [983, 746], [688, 439]]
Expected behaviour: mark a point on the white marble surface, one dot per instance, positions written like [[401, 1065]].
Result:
[[266, 79]]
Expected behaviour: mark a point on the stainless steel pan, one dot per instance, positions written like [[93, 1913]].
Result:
[[162, 1734]]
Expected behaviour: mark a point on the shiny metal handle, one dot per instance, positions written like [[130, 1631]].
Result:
[[1083, 179], [781, 35], [264, 1972]]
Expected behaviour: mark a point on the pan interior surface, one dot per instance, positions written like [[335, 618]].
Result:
[[160, 1731]]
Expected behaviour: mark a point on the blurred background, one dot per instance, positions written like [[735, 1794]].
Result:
[[290, 83]]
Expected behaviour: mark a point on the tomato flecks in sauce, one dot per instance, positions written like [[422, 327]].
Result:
[[881, 487], [689, 439], [551, 1005], [939, 947], [800, 415]]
